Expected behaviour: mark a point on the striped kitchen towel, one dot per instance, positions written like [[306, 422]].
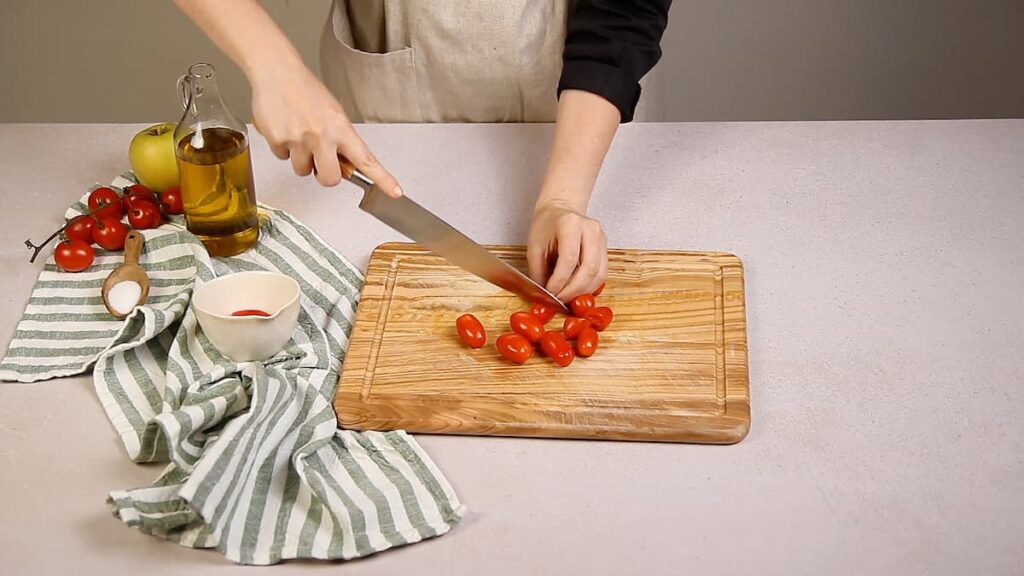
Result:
[[257, 467]]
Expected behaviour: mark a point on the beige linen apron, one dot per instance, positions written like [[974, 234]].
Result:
[[445, 60]]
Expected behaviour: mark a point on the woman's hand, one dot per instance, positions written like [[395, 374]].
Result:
[[575, 243], [561, 233], [303, 121], [293, 110]]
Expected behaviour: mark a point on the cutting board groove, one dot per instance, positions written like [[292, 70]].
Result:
[[672, 366]]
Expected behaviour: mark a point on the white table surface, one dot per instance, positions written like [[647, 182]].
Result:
[[885, 298]]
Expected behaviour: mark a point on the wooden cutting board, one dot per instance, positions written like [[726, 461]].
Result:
[[671, 367]]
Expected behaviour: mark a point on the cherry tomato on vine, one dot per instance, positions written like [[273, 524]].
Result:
[[171, 202], [600, 317], [572, 326], [73, 255], [105, 203], [470, 330], [144, 214], [514, 347], [586, 343], [527, 325], [137, 191], [110, 233], [555, 346], [582, 304], [543, 312], [80, 228]]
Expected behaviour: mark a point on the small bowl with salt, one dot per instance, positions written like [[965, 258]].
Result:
[[248, 316]]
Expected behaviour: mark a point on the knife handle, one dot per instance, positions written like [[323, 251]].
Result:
[[353, 175]]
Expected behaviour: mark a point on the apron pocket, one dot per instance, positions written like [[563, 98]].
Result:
[[372, 87]]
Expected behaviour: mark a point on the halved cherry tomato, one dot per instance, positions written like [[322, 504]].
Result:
[[110, 233], [80, 228], [543, 312], [527, 325], [105, 203], [555, 346], [514, 347], [143, 213], [573, 326], [470, 330], [586, 344], [171, 202], [73, 255], [582, 304], [250, 312], [600, 317], [599, 290]]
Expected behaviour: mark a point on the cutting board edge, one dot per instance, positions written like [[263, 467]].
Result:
[[729, 427]]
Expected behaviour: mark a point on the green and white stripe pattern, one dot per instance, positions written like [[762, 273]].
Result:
[[257, 467]]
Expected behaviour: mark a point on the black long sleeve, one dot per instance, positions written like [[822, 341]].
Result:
[[610, 45]]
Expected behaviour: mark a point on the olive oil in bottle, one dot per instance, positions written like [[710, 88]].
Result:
[[217, 190], [214, 167]]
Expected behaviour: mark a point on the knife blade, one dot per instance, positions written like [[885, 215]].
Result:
[[428, 230]]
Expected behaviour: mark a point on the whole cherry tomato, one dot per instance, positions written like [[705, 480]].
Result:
[[514, 347], [543, 312], [526, 325], [105, 203], [470, 330], [73, 255], [137, 191], [572, 326], [600, 318], [582, 304], [599, 290], [171, 202], [109, 233], [586, 344], [555, 346], [80, 228], [250, 312], [143, 214]]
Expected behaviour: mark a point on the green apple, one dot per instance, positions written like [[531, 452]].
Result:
[[151, 155]]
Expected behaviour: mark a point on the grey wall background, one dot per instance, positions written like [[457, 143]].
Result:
[[117, 60]]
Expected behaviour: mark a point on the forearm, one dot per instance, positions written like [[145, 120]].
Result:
[[244, 31], [584, 128]]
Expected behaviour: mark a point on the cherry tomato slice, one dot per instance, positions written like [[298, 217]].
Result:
[[573, 326], [543, 312], [599, 290], [471, 331], [514, 347], [73, 255], [582, 304], [110, 233], [80, 228], [527, 325], [586, 344], [600, 317], [250, 312], [105, 203], [555, 346]]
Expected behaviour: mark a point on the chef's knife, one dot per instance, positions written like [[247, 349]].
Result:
[[433, 233]]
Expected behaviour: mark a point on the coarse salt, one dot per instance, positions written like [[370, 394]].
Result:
[[124, 295]]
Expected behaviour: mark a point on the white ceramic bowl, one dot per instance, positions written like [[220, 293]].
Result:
[[246, 338]]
